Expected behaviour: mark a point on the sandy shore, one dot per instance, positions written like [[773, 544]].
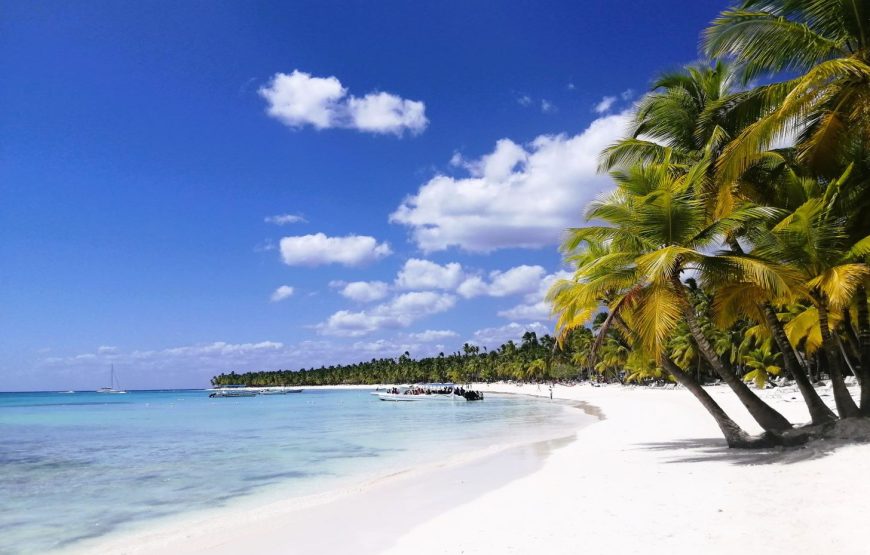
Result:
[[652, 476]]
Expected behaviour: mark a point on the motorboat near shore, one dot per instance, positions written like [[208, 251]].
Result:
[[428, 392], [241, 390], [280, 391], [233, 391]]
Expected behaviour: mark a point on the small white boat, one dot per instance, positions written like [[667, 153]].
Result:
[[111, 388], [233, 391], [279, 391]]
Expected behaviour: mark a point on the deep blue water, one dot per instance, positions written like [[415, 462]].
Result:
[[78, 466]]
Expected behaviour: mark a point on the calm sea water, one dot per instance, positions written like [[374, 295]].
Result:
[[83, 465]]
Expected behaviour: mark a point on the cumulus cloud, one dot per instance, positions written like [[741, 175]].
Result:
[[387, 113], [515, 281], [318, 249], [547, 107], [430, 336], [493, 338], [516, 196], [399, 312], [299, 99], [605, 104], [283, 292], [284, 219], [535, 305], [425, 274], [365, 291]]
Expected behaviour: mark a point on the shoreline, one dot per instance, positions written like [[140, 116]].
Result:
[[651, 474], [306, 523]]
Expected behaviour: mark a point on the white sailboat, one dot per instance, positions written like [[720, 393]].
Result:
[[111, 388]]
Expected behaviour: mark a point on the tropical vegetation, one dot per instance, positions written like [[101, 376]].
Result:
[[739, 215]]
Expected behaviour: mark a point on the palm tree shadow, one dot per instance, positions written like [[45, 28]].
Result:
[[715, 449]]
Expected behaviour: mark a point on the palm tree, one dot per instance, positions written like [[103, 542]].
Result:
[[827, 106], [657, 232], [763, 365], [814, 241]]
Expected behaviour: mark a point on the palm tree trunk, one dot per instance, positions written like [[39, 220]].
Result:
[[864, 343], [845, 404], [819, 411], [853, 344], [769, 419], [735, 436]]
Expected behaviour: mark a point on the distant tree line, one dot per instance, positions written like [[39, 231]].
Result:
[[533, 359]]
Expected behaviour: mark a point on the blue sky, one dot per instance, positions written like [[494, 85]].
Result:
[[432, 155]]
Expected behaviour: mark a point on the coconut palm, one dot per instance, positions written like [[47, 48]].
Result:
[[814, 241], [763, 365], [827, 106], [657, 231]]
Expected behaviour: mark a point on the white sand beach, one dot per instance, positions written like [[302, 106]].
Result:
[[652, 476]]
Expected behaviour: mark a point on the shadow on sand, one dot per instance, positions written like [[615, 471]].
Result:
[[715, 449]]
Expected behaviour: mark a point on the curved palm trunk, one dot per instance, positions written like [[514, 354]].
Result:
[[735, 436], [819, 411], [845, 404], [864, 343], [769, 419]]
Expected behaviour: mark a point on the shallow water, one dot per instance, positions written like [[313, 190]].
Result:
[[83, 465]]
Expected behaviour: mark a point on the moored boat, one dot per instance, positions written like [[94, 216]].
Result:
[[428, 392], [279, 390], [233, 391], [111, 388]]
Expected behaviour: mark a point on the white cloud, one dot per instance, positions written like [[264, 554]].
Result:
[[515, 281], [535, 305], [627, 94], [317, 249], [218, 348], [526, 312], [107, 350], [365, 291], [399, 312], [300, 99], [430, 336], [493, 338], [283, 292], [284, 219], [524, 100], [425, 274], [515, 196], [387, 113], [547, 107], [605, 104]]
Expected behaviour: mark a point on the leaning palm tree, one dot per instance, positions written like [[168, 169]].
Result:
[[660, 235], [575, 300]]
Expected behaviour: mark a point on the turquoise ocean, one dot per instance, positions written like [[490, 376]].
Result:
[[79, 466]]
